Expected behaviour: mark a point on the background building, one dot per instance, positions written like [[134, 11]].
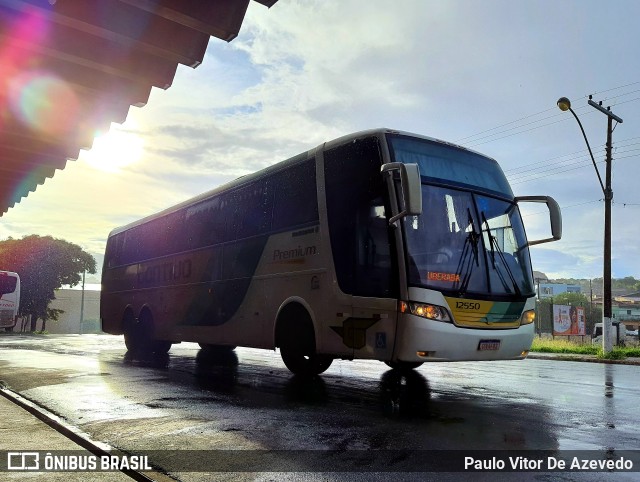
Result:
[[549, 290], [70, 301]]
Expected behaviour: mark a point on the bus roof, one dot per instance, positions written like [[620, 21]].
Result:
[[379, 132]]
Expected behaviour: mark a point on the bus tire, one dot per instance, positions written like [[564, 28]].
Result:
[[298, 344], [131, 332], [213, 347], [301, 362], [403, 365], [139, 335]]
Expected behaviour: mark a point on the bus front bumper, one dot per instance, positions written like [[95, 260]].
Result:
[[421, 339]]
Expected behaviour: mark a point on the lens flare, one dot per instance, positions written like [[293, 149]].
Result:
[[43, 102], [35, 97]]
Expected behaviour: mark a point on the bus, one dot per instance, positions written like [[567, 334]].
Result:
[[380, 245], [9, 299]]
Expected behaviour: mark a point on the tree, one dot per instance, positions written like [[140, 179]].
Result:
[[575, 299], [44, 264]]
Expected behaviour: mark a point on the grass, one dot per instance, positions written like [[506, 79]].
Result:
[[548, 345]]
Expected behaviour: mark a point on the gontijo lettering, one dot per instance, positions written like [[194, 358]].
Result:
[[165, 272]]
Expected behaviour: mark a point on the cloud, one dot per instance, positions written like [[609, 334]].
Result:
[[549, 260], [305, 72]]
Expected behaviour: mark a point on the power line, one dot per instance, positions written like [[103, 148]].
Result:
[[624, 205], [559, 116], [474, 139], [616, 88], [563, 207], [504, 125], [619, 144], [559, 168]]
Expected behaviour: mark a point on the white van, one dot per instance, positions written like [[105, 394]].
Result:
[[597, 332]]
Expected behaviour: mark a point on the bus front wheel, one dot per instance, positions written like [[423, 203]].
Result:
[[218, 348], [304, 362], [298, 344]]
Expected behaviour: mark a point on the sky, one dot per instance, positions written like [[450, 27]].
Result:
[[485, 75]]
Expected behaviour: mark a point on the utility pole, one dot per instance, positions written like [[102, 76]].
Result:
[[564, 104], [82, 302], [591, 305], [608, 198]]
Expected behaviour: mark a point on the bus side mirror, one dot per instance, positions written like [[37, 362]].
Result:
[[411, 188], [554, 216]]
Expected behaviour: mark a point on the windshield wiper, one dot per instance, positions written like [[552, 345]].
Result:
[[465, 263], [494, 246]]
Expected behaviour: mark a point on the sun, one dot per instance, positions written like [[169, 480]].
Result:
[[118, 148]]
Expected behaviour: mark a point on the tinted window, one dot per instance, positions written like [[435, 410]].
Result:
[[295, 198], [283, 200], [361, 240]]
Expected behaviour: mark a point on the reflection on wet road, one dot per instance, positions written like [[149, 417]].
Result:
[[247, 399]]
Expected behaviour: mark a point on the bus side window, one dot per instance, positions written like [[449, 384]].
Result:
[[295, 200], [373, 265], [360, 239]]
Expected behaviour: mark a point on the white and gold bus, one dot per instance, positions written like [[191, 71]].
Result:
[[381, 245], [9, 299]]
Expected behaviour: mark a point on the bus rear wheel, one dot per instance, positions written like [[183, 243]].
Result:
[[403, 365], [139, 335]]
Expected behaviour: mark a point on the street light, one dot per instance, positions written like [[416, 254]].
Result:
[[565, 104]]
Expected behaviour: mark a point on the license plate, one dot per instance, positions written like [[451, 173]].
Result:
[[488, 345]]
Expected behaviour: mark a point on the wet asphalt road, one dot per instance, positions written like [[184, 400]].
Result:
[[248, 400]]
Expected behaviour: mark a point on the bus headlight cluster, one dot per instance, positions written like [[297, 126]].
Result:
[[528, 317], [425, 310]]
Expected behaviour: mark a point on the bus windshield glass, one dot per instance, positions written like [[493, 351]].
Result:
[[468, 243], [469, 238], [448, 164]]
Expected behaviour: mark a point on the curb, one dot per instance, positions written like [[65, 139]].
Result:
[[582, 358], [69, 432]]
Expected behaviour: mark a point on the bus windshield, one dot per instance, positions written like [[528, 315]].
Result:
[[470, 238], [8, 284], [448, 164], [468, 243]]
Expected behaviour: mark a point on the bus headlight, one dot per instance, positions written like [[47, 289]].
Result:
[[528, 317], [425, 310]]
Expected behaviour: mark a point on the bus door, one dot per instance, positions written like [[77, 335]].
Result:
[[374, 308], [365, 263], [362, 245]]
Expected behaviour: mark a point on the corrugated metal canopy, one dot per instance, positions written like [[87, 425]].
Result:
[[71, 67]]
